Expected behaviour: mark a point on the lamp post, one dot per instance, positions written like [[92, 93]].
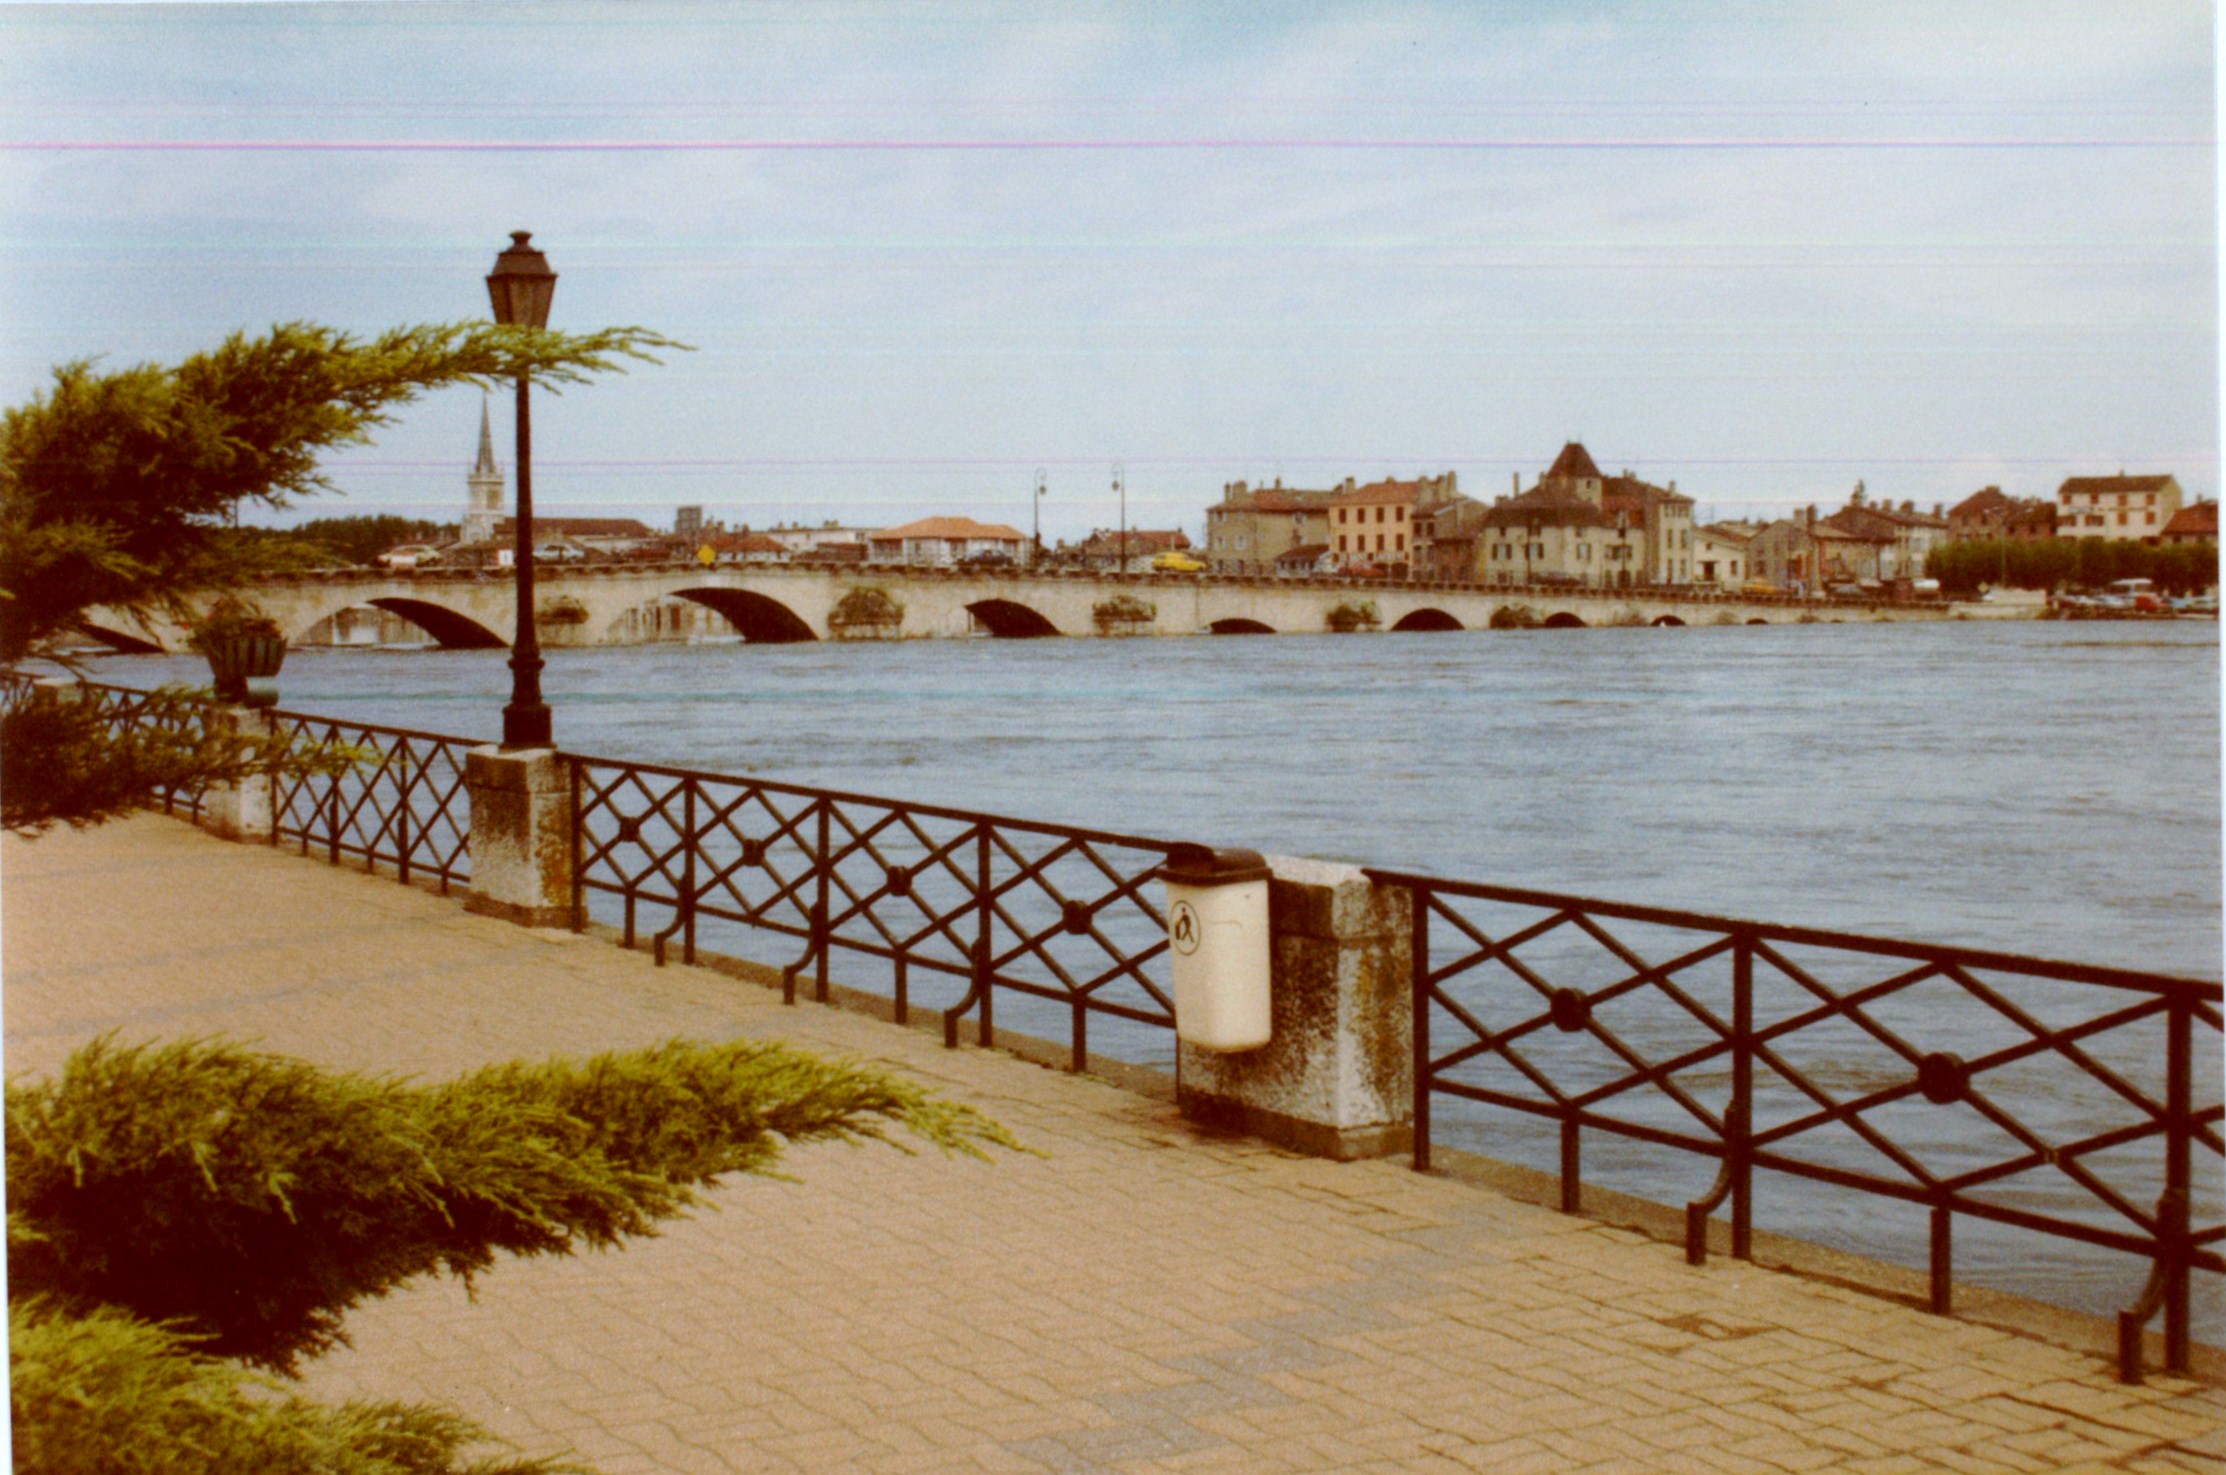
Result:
[[1120, 487], [1035, 521], [521, 286]]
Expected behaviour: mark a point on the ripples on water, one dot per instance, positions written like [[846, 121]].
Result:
[[2031, 787]]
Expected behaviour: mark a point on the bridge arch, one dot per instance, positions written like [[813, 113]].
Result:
[[451, 630], [761, 619], [1239, 627], [1563, 620], [1008, 620], [1428, 619], [118, 641], [1667, 620]]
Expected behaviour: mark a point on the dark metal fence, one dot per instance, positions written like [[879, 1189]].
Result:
[[402, 803], [1048, 912], [2003, 1088]]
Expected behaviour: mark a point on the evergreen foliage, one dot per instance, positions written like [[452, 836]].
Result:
[[114, 487], [105, 1394], [336, 542], [252, 1200], [2056, 563], [1122, 612], [1514, 617], [1349, 616], [866, 607], [64, 762]]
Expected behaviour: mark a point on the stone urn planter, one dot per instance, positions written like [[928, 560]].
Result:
[[244, 649]]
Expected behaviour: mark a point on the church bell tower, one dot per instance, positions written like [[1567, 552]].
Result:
[[483, 507]]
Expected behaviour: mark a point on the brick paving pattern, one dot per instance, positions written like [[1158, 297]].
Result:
[[1139, 1296]]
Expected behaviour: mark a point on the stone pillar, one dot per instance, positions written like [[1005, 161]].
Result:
[[240, 811], [521, 835], [1336, 1079]]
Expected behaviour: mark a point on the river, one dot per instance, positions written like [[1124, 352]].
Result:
[[2036, 787]]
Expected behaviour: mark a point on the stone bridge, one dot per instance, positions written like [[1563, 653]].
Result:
[[636, 604]]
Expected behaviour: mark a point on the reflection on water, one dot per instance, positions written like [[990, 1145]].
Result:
[[2035, 788]]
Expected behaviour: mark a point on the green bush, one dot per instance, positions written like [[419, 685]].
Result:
[[1514, 617], [105, 1394], [1348, 617], [2056, 563], [866, 607], [1124, 612], [251, 1200]]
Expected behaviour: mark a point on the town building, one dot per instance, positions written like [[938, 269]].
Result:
[[1906, 536], [2121, 506], [1721, 554], [1373, 525], [1808, 555], [2197, 522], [1110, 549], [1990, 514], [1447, 539], [942, 541], [1578, 525], [746, 547], [1252, 528], [577, 538], [797, 538]]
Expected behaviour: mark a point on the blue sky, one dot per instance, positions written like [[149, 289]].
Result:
[[923, 249]]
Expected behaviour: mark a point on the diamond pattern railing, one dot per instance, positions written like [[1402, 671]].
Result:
[[130, 707], [2049, 1097], [1060, 915], [403, 803]]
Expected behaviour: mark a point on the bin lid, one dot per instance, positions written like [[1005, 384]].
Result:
[[1201, 865]]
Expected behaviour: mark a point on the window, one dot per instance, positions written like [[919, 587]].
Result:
[[1340, 542], [1340, 514], [1399, 543], [1379, 514], [1379, 542], [2148, 517]]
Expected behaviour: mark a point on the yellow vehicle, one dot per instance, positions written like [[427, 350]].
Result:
[[1173, 562]]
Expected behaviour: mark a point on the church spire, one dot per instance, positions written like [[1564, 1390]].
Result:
[[486, 466]]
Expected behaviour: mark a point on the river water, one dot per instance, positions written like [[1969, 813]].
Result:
[[2042, 788]]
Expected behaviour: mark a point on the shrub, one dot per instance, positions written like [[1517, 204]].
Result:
[[106, 1393], [252, 1200], [866, 608], [562, 611], [1124, 612], [1348, 617], [1514, 617]]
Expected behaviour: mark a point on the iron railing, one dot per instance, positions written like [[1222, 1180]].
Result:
[[400, 801], [1049, 912], [1826, 1057]]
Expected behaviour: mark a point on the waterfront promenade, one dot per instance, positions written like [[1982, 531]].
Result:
[[1138, 1295]]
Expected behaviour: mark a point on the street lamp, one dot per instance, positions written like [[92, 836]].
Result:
[[1035, 525], [1120, 486], [521, 286]]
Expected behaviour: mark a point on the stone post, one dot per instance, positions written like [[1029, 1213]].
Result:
[[521, 835], [1336, 1079], [240, 811]]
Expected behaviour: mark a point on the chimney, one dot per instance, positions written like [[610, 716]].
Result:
[[1908, 506], [1518, 483], [1673, 484]]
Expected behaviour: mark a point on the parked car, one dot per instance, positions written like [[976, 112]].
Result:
[[1364, 571], [1760, 588], [1559, 580], [2138, 594], [1173, 562], [988, 558]]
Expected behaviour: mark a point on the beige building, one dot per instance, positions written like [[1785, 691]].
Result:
[[1253, 527], [942, 541], [1906, 536], [1809, 554], [1578, 525], [2121, 506], [2197, 522], [1720, 554]]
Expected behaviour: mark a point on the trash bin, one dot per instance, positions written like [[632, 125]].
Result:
[[1217, 929]]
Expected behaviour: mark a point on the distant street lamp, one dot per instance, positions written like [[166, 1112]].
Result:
[[1035, 524], [1120, 486], [521, 287]]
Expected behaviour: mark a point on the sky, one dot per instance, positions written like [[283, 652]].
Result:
[[923, 250]]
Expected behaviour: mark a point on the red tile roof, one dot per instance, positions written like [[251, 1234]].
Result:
[[2196, 520], [1573, 464], [2081, 485], [950, 527]]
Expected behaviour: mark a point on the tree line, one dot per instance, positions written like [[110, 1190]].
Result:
[[2057, 563]]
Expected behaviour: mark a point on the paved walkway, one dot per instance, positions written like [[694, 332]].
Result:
[[1140, 1297]]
